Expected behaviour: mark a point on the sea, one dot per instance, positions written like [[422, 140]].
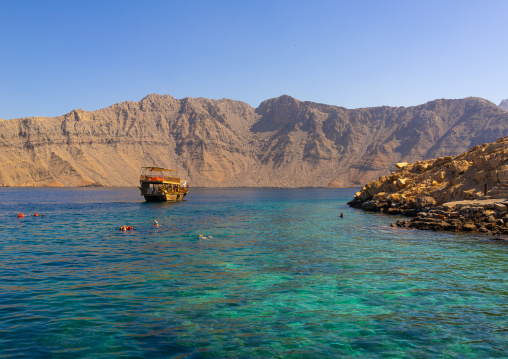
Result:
[[279, 275]]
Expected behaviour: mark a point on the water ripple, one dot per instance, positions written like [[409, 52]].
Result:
[[281, 275]]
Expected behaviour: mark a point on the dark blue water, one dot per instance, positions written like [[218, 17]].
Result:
[[282, 276]]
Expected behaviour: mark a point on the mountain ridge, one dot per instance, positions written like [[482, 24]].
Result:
[[284, 142]]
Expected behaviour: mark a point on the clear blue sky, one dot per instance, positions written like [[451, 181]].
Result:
[[59, 55]]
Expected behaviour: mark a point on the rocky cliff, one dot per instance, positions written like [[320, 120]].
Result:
[[226, 143]]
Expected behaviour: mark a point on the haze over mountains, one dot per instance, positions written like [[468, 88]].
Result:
[[225, 143]]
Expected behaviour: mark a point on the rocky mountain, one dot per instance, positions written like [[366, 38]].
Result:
[[225, 143], [504, 105]]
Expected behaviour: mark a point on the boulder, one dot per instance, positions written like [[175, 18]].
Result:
[[502, 173], [469, 227], [396, 211], [500, 207], [373, 188], [479, 177], [440, 226], [480, 161], [369, 206], [490, 219], [396, 198], [401, 182], [440, 176], [494, 163], [455, 225], [459, 167], [419, 225], [425, 201], [381, 196], [493, 176]]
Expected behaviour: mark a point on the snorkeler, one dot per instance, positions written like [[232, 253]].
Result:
[[203, 237]]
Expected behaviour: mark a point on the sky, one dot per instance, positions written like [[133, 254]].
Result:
[[56, 56]]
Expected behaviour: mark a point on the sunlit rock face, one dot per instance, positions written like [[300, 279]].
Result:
[[481, 173]]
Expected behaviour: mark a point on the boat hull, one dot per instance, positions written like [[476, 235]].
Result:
[[164, 197]]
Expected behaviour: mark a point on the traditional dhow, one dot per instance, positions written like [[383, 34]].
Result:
[[157, 185]]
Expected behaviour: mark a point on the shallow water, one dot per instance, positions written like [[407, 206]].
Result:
[[282, 276]]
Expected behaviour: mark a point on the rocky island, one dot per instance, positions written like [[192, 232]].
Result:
[[467, 192]]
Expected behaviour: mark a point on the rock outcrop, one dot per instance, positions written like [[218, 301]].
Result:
[[504, 105], [485, 216], [464, 192], [224, 143]]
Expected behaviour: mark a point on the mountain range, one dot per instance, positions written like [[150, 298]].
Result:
[[283, 142]]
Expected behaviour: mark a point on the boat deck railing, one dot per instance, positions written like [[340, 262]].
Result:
[[160, 178], [159, 192]]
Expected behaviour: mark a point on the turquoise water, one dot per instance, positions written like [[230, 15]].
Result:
[[282, 276]]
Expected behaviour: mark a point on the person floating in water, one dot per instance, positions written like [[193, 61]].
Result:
[[155, 223], [203, 237], [341, 215]]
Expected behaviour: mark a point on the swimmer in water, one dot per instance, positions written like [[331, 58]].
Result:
[[203, 237]]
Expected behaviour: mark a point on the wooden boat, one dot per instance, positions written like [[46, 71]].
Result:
[[157, 185]]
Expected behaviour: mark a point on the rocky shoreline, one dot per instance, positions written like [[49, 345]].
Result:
[[465, 193], [484, 216], [489, 217]]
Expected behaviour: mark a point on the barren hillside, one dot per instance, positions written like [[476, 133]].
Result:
[[225, 143]]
